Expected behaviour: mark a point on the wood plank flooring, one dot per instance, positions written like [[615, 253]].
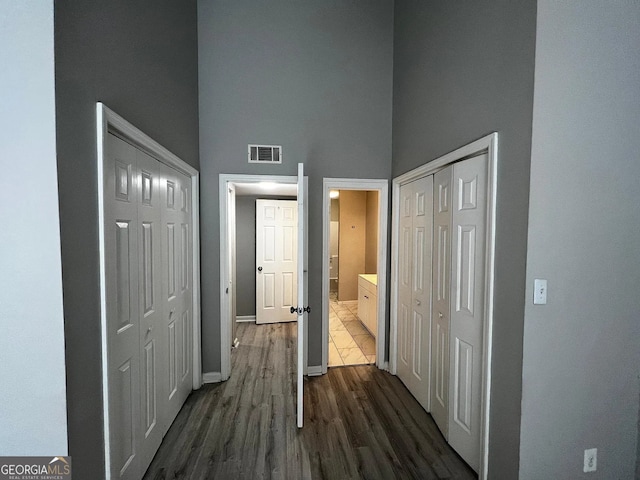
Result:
[[360, 422]]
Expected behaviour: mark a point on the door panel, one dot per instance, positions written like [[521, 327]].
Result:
[[123, 307], [467, 315], [414, 294], [441, 299], [176, 220], [150, 205], [276, 260], [301, 269]]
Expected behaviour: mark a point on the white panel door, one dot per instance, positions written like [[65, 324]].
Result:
[[441, 299], [414, 294], [231, 268], [123, 319], [149, 230], [276, 260], [467, 306], [302, 291], [177, 291]]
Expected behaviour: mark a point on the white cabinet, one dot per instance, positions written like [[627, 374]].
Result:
[[368, 302]]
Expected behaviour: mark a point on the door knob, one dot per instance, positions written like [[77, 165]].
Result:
[[418, 302], [259, 269], [440, 314]]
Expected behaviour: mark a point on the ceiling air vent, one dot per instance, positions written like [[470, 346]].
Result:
[[265, 154]]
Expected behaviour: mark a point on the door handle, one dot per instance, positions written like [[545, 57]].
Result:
[[440, 315], [418, 302], [259, 269]]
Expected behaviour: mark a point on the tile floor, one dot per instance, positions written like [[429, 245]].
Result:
[[350, 343]]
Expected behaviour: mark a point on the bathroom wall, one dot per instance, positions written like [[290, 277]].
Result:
[[353, 233], [371, 241]]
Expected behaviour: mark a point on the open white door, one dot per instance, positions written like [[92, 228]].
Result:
[[302, 290]]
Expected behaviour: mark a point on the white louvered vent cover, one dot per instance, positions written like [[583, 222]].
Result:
[[265, 154]]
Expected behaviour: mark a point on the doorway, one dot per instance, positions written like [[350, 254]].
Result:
[[354, 272], [353, 269], [463, 202], [237, 196]]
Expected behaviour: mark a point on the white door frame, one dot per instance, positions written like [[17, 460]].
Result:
[[488, 144], [109, 121], [382, 187], [226, 309]]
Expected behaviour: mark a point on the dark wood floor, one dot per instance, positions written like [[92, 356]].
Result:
[[359, 422]]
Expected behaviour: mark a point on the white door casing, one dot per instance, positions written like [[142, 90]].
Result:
[[414, 287], [469, 205], [276, 260], [382, 187], [441, 299], [227, 222]]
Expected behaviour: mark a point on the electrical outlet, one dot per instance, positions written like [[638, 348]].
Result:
[[539, 291], [590, 460]]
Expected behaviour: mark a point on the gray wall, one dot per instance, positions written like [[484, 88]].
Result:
[[142, 62], [461, 71], [245, 255], [582, 350], [314, 77], [33, 418]]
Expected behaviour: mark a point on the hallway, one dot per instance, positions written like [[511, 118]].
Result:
[[360, 422]]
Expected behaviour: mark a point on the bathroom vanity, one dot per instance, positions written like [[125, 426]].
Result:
[[368, 301]]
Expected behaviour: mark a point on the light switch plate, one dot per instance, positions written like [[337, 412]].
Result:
[[540, 291]]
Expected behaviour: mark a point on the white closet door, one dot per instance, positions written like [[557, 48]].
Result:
[[149, 230], [185, 314], [177, 291], [123, 319], [467, 306], [276, 260], [441, 299], [414, 294]]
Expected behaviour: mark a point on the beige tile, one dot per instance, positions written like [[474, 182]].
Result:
[[343, 339], [355, 327], [334, 356], [352, 356], [335, 324], [366, 343], [347, 317], [371, 358]]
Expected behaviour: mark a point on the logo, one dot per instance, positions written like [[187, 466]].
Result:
[[35, 468]]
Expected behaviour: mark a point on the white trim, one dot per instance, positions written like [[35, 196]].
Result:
[[487, 144], [107, 120], [225, 306], [245, 318], [211, 377], [314, 370], [382, 187]]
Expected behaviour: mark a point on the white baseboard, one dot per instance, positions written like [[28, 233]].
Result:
[[211, 377], [245, 318], [314, 370]]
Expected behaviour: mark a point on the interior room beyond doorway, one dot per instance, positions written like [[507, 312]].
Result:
[[353, 272]]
